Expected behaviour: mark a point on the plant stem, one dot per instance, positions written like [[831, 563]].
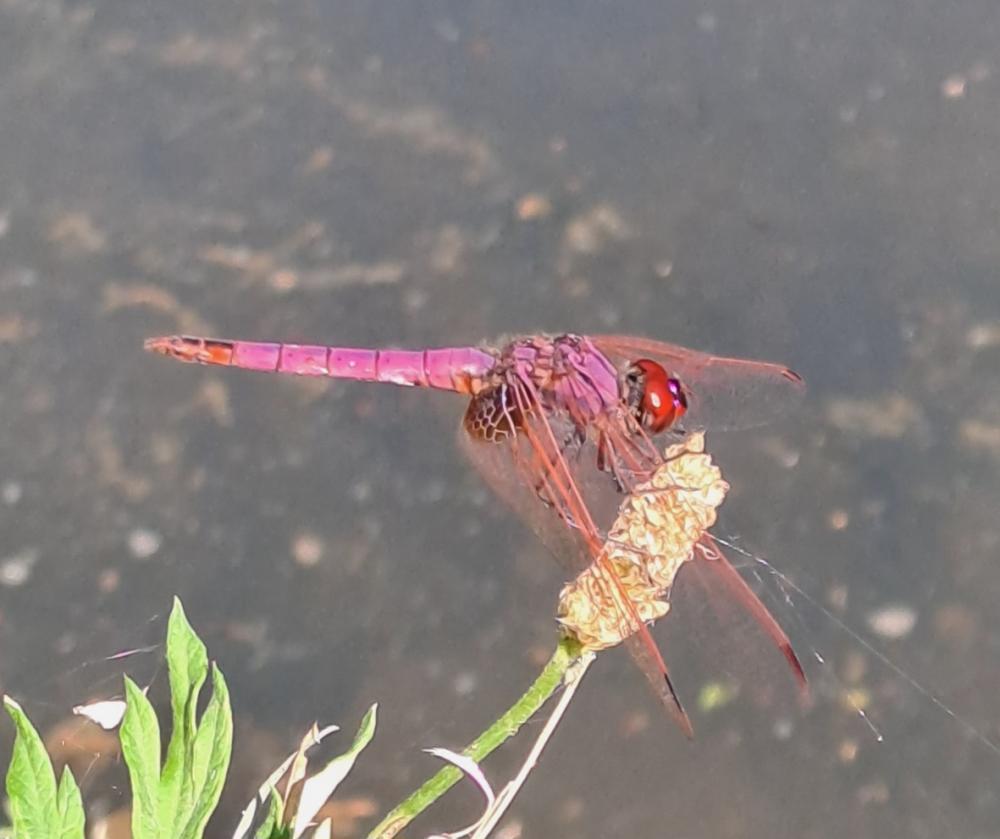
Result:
[[506, 726], [495, 812]]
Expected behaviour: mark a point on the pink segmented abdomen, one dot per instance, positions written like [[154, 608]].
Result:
[[459, 369]]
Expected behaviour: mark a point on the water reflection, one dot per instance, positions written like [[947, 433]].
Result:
[[814, 184]]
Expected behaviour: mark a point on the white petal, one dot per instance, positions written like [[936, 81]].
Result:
[[107, 714]]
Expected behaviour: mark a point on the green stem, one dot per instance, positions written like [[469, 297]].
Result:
[[505, 727]]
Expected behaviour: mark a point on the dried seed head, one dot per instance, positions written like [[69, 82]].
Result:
[[655, 533]]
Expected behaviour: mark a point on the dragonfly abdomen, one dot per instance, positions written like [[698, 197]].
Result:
[[460, 369]]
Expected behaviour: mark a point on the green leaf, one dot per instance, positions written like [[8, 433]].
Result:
[[212, 747], [272, 827], [31, 782], [70, 805], [140, 737], [187, 662], [318, 788]]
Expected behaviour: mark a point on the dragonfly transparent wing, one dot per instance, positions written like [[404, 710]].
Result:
[[556, 489], [720, 629], [504, 467], [722, 393]]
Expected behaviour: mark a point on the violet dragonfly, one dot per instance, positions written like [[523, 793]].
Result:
[[562, 427]]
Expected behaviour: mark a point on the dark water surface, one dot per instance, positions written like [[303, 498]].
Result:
[[814, 182]]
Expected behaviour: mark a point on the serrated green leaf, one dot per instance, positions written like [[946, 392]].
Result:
[[140, 738], [31, 782], [318, 788], [212, 747], [187, 662], [70, 805], [271, 827]]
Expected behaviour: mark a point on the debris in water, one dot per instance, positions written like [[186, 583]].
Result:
[[893, 622], [143, 542]]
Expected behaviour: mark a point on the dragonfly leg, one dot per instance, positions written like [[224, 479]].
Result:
[[574, 441], [606, 461], [611, 461]]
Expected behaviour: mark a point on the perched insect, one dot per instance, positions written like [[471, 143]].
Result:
[[562, 428]]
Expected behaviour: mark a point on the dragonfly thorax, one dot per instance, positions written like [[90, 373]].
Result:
[[563, 378], [562, 373]]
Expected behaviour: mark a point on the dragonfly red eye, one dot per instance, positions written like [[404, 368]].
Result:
[[657, 399]]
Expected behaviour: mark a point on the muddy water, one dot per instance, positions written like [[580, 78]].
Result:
[[807, 182]]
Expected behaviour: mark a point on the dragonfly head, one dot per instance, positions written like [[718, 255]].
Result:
[[657, 399]]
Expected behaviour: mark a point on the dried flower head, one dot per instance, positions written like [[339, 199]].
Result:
[[655, 532]]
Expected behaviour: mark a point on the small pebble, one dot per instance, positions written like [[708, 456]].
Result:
[[108, 581], [716, 695], [533, 206], [361, 491], [707, 22], [11, 493], [954, 87], [980, 71], [465, 683], [433, 491], [854, 667], [848, 113], [848, 751], [837, 597], [447, 30], [983, 335], [307, 549], [838, 519], [571, 809], [783, 729], [955, 623], [16, 570], [874, 793], [634, 723], [143, 543], [319, 160], [415, 300], [514, 829], [893, 622], [283, 280], [855, 699], [65, 643]]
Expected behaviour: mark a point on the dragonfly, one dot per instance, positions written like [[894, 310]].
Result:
[[563, 428]]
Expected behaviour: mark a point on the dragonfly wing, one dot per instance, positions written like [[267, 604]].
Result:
[[709, 555], [723, 393], [659, 680], [556, 489], [503, 466], [725, 635]]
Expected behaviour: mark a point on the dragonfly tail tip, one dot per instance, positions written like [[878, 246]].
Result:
[[159, 345]]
